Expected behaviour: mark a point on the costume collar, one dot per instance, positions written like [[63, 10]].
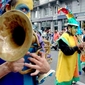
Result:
[[70, 33]]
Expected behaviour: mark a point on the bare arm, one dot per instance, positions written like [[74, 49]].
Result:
[[8, 67], [4, 70]]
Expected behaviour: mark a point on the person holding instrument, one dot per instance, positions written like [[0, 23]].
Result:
[[10, 71]]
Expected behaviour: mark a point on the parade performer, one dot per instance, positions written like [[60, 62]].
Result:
[[40, 63], [67, 67]]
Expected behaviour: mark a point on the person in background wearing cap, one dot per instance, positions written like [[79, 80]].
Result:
[[70, 48], [9, 72], [67, 67]]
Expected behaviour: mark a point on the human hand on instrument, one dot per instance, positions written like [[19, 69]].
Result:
[[40, 63], [15, 66], [81, 45]]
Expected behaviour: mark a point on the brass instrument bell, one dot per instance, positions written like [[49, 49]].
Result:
[[15, 35]]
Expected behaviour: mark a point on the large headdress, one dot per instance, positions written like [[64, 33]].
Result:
[[71, 19]]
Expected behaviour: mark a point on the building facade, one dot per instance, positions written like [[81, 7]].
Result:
[[44, 14]]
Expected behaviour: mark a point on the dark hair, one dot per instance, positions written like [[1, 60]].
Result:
[[63, 29], [13, 2], [69, 26]]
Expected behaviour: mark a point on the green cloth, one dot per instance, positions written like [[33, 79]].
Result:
[[68, 82], [79, 64]]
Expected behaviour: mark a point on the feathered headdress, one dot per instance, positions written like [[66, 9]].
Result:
[[3, 4], [71, 19]]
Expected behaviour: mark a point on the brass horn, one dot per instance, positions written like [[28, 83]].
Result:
[[15, 35]]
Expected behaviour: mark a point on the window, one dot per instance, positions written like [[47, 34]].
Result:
[[64, 21], [46, 10], [36, 14], [55, 22]]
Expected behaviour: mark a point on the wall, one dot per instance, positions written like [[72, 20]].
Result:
[[43, 1], [75, 6]]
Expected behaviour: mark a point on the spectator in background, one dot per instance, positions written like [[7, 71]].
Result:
[[52, 34], [64, 29], [47, 35], [83, 54], [44, 34], [56, 35], [60, 33], [83, 37]]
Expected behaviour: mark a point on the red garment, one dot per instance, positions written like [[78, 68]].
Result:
[[56, 36], [82, 57]]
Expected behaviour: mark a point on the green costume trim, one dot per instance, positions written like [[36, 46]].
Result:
[[79, 64], [83, 63], [62, 38], [65, 40], [68, 82]]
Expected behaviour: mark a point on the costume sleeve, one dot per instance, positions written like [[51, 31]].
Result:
[[67, 50]]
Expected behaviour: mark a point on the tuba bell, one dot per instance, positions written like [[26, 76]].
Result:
[[15, 35]]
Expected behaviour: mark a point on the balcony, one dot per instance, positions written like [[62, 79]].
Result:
[[41, 3], [36, 3]]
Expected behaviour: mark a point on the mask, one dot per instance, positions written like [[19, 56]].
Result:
[[24, 5]]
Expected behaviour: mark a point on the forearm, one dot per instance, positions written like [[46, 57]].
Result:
[[4, 69], [67, 50]]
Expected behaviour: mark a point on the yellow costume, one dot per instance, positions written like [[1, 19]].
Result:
[[67, 65]]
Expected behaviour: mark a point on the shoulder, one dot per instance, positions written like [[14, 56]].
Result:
[[65, 35]]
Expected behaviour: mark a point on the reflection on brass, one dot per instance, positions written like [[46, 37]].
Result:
[[26, 71], [15, 35], [47, 50]]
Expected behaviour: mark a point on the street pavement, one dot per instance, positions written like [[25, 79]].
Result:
[[51, 79]]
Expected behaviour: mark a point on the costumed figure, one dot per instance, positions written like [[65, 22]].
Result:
[[69, 48], [29, 41]]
